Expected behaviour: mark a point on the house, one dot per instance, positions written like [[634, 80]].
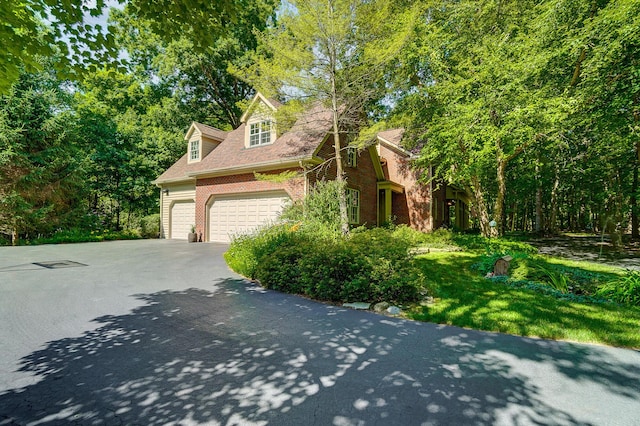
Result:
[[214, 187]]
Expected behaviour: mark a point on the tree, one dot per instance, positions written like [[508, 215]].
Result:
[[33, 28], [41, 162], [608, 83], [197, 76], [334, 53], [132, 132], [480, 88]]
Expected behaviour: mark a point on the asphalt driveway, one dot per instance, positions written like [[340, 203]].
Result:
[[160, 332]]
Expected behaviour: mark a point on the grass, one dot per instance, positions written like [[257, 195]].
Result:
[[463, 297]]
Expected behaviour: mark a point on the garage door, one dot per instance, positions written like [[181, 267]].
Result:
[[183, 215], [229, 215]]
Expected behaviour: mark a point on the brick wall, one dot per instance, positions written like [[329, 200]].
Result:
[[238, 184], [362, 178], [414, 206]]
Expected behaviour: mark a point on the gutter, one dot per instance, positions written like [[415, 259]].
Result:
[[254, 167]]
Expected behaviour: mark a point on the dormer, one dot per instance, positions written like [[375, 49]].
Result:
[[260, 124], [202, 139]]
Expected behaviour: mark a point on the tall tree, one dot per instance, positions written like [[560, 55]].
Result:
[[31, 28], [609, 88], [198, 75], [480, 88], [41, 175], [332, 52], [132, 132]]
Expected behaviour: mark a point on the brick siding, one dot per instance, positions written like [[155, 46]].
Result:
[[413, 207], [239, 184]]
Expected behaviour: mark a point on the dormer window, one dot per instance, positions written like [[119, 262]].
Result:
[[194, 150], [260, 133]]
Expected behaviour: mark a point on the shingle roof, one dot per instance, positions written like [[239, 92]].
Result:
[[299, 143], [211, 132], [393, 136]]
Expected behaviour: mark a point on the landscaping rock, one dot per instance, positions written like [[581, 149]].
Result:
[[381, 306], [394, 310], [357, 305]]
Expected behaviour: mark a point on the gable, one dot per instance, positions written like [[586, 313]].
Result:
[[231, 155], [201, 140]]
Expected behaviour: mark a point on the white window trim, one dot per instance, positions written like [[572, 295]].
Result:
[[197, 151], [263, 136], [352, 157], [353, 205]]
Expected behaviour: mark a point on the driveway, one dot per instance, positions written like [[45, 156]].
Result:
[[160, 332]]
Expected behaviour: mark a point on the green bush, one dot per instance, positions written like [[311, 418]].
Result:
[[280, 270], [319, 211], [150, 226], [369, 265], [624, 290], [82, 236], [246, 250]]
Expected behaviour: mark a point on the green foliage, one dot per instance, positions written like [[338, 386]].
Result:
[[370, 265], [32, 29], [547, 290], [150, 226], [557, 280], [319, 211], [132, 133], [41, 160], [625, 289], [522, 307], [83, 236], [492, 245], [247, 250]]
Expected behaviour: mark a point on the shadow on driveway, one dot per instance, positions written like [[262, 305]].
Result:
[[243, 355]]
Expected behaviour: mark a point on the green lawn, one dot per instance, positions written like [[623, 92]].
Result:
[[464, 298]]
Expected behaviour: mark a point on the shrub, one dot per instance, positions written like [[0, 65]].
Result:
[[81, 235], [319, 210], [625, 289], [246, 250], [369, 265], [280, 269], [150, 226]]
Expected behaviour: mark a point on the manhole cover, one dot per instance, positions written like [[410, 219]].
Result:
[[57, 264]]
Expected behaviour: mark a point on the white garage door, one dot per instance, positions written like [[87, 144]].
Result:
[[183, 215], [229, 215]]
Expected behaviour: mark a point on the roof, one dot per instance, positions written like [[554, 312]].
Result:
[[298, 144], [393, 136], [392, 139], [208, 131]]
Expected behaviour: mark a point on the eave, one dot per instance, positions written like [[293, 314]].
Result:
[[185, 179], [250, 168]]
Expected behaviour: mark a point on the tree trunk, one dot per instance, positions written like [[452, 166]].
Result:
[[342, 198], [553, 217], [538, 217], [502, 189], [481, 207], [635, 233]]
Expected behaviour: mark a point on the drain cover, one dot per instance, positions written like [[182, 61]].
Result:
[[57, 264]]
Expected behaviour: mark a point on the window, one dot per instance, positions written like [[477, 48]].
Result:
[[260, 133], [352, 157], [194, 151], [353, 205]]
